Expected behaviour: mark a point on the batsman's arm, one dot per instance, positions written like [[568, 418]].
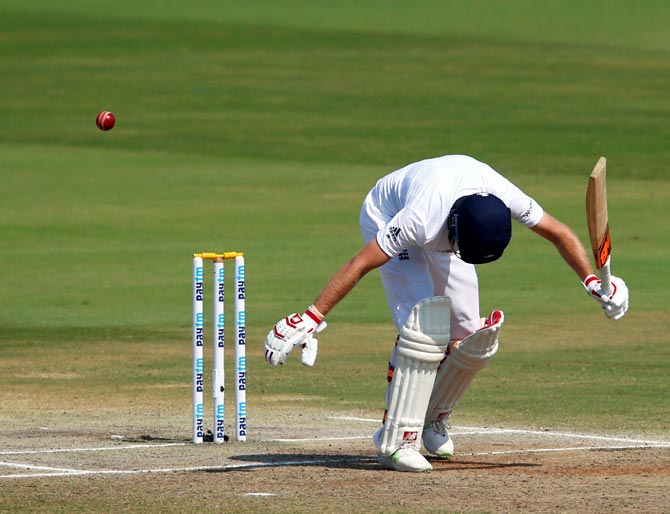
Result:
[[370, 257], [567, 243], [298, 330], [574, 253]]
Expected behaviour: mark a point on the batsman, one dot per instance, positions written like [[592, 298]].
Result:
[[426, 226]]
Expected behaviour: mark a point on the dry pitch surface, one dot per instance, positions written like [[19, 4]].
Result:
[[318, 462]]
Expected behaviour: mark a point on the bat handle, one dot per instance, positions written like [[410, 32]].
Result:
[[606, 278]]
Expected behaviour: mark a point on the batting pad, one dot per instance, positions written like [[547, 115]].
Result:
[[421, 345], [464, 360]]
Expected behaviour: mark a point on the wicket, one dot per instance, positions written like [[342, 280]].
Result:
[[218, 343]]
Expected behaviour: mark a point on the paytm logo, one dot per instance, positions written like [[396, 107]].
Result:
[[220, 421], [199, 421], [220, 329], [242, 374], [240, 283], [199, 374], [198, 278], [242, 419], [241, 329], [220, 292]]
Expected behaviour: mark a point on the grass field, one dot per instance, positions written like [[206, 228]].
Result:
[[259, 127]]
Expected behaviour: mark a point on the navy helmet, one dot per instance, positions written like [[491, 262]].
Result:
[[480, 228]]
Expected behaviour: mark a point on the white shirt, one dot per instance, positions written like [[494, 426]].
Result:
[[417, 198]]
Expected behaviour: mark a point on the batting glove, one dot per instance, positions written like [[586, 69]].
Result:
[[618, 305], [614, 305], [294, 330]]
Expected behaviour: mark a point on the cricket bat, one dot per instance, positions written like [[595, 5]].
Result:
[[598, 222]]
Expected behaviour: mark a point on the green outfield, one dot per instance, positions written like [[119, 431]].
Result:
[[259, 127]]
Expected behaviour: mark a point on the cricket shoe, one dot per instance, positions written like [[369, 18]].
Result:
[[405, 458], [437, 440]]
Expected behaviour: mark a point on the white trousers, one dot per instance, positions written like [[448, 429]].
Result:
[[419, 273]]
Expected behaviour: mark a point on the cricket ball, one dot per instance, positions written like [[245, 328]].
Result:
[[105, 120]]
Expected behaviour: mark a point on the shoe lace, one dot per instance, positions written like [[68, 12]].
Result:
[[441, 426], [408, 448]]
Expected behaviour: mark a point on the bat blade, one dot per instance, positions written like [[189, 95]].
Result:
[[598, 221]]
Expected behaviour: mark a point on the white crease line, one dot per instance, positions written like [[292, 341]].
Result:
[[320, 439], [484, 431], [101, 449], [573, 449], [634, 443], [561, 434], [67, 473], [349, 418], [32, 466]]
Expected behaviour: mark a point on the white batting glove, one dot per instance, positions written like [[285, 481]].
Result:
[[618, 305], [614, 305], [309, 349], [294, 330]]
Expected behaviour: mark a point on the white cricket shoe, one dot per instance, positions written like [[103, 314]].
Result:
[[405, 458], [437, 440]]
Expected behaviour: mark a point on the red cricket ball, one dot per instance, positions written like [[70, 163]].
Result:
[[105, 120]]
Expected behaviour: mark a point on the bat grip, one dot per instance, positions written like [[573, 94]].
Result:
[[606, 278]]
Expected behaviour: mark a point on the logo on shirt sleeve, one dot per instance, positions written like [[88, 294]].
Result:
[[392, 233], [529, 211]]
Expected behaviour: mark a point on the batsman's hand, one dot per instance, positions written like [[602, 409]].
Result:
[[294, 330], [614, 305], [618, 305]]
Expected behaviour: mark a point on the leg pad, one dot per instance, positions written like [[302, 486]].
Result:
[[421, 345], [464, 360]]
